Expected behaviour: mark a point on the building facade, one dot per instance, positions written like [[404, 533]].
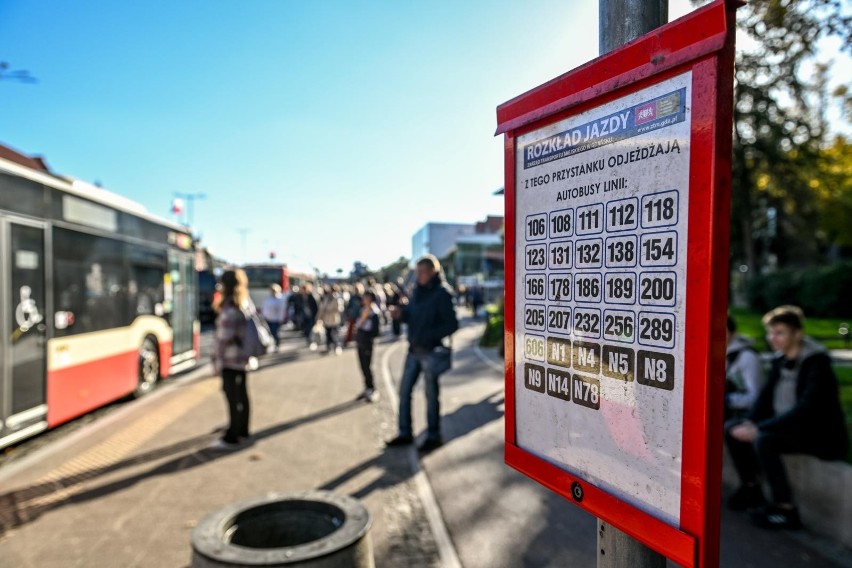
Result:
[[438, 238]]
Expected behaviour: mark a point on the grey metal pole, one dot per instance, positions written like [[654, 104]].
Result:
[[621, 21]]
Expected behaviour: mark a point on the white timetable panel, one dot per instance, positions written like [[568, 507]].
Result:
[[602, 198]]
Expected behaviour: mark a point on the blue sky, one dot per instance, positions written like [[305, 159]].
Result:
[[332, 130]]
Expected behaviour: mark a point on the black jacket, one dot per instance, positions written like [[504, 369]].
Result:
[[311, 306], [430, 315], [372, 333], [817, 415]]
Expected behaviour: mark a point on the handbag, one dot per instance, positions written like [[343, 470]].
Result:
[[441, 360]]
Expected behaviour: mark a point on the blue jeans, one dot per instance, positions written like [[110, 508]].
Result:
[[274, 326], [414, 365]]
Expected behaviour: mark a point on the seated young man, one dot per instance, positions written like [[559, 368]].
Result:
[[797, 412]]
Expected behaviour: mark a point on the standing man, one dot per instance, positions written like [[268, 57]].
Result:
[[431, 319], [797, 412]]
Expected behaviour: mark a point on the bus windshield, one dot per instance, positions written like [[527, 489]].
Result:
[[264, 277]]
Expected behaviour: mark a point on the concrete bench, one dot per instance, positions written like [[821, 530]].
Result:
[[822, 490]]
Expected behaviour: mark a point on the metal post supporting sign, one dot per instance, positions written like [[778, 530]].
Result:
[[617, 201]]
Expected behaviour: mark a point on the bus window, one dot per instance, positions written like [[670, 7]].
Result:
[[145, 288], [89, 281]]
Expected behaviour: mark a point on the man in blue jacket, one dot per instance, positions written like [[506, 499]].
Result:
[[431, 319], [797, 412]]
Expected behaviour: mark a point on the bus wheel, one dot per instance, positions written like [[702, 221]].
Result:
[[149, 367]]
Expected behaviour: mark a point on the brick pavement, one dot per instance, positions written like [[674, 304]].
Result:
[[129, 491]]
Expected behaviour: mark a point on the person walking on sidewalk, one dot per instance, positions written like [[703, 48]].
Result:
[[366, 331], [797, 412], [274, 311], [295, 312], [353, 310], [431, 319], [310, 311], [394, 300], [330, 311], [229, 359]]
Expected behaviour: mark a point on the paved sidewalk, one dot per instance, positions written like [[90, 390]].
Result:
[[129, 491]]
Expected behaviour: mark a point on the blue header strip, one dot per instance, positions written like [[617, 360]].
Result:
[[645, 117]]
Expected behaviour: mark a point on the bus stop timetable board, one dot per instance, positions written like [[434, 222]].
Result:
[[617, 190]]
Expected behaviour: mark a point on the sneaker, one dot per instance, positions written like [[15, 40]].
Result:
[[773, 517], [312, 347], [373, 395], [430, 445], [338, 350], [223, 446], [746, 498], [400, 441]]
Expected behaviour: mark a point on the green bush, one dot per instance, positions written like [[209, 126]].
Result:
[[822, 292], [493, 334]]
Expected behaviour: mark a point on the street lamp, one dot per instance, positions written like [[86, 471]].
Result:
[[243, 233]]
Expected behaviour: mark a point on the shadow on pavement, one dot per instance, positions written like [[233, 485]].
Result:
[[393, 465], [472, 416], [25, 505]]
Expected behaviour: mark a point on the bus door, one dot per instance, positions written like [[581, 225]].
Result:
[[183, 315], [23, 291]]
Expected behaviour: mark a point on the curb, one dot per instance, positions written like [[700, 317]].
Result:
[[446, 548]]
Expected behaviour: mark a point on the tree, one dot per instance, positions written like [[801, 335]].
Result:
[[833, 190], [391, 272], [780, 127]]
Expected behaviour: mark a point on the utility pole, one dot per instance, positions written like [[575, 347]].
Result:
[[243, 232], [621, 21], [190, 199]]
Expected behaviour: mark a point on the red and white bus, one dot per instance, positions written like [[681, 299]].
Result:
[[98, 298], [262, 276]]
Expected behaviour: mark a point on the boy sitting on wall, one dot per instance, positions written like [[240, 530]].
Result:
[[797, 412]]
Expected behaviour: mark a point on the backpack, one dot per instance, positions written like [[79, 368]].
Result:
[[258, 339]]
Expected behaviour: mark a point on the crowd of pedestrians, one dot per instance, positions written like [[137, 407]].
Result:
[[359, 311]]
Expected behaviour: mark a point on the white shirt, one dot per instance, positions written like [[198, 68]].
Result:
[[274, 308]]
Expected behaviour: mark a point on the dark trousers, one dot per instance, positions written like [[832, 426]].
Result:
[[330, 338], [764, 455], [308, 328], [274, 326], [414, 365], [236, 391], [397, 327], [365, 357]]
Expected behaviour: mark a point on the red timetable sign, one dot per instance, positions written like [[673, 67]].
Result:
[[617, 200]]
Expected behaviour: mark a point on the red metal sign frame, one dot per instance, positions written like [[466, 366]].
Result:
[[702, 41]]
